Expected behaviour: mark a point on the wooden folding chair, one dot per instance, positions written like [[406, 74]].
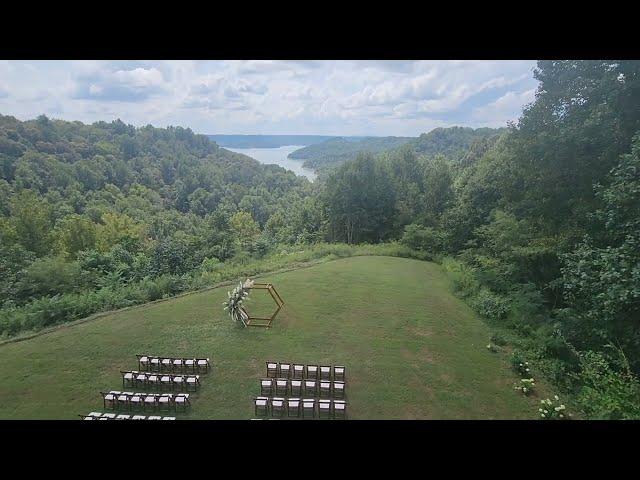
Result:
[[339, 373], [266, 387], [166, 381], [298, 371], [312, 372], [277, 406], [168, 418], [193, 381], [123, 416], [179, 381], [325, 388], [153, 380], [310, 388], [108, 416], [123, 399], [339, 409], [150, 400], [190, 365], [338, 389], [272, 369], [309, 407], [154, 362], [154, 417], [127, 379], [143, 361], [95, 414], [285, 370], [261, 405], [325, 372], [109, 400], [141, 379], [293, 407], [139, 417], [178, 365], [296, 388], [182, 400], [203, 364], [282, 387], [165, 400], [136, 400], [166, 364], [324, 408]]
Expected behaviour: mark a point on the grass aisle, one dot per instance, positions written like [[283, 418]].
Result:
[[412, 349]]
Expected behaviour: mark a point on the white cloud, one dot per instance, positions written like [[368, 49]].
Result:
[[269, 96]]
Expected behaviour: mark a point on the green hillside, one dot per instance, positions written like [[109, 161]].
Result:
[[411, 348]]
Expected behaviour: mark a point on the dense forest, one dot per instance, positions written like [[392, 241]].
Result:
[[455, 143], [537, 224], [335, 151]]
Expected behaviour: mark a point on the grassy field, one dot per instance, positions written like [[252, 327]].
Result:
[[412, 349]]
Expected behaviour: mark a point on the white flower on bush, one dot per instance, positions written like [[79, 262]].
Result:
[[525, 386], [552, 409]]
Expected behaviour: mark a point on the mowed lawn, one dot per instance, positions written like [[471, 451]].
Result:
[[412, 350]]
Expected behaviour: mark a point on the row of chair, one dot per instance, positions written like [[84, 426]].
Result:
[[135, 378], [284, 387], [296, 407], [113, 416], [130, 400], [153, 363], [300, 371]]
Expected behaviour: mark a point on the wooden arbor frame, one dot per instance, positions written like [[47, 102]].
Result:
[[263, 321]]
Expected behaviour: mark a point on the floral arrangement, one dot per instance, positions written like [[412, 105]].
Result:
[[236, 298], [525, 386], [552, 409]]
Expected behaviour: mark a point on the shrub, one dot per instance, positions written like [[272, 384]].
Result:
[[519, 365], [552, 409], [499, 339], [525, 386], [610, 391], [490, 305]]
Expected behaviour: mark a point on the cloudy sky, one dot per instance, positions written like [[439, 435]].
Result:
[[272, 97]]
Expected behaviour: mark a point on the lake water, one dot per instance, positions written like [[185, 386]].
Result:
[[278, 156]]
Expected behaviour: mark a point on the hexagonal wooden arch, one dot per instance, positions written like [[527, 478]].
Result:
[[252, 321]]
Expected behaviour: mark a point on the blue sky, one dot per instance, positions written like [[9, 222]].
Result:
[[360, 97]]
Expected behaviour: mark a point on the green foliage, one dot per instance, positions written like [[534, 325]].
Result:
[[490, 305], [50, 276], [75, 233], [335, 151], [31, 221], [553, 409], [520, 365], [360, 201], [610, 390], [526, 386], [422, 238]]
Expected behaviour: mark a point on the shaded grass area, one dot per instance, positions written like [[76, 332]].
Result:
[[411, 348]]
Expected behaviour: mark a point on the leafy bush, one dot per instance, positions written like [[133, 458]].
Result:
[[499, 339], [422, 238], [519, 365], [525, 386], [462, 276], [610, 390], [552, 409], [490, 305]]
